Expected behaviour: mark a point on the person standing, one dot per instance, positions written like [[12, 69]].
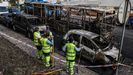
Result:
[[49, 32], [46, 50], [36, 39], [70, 49]]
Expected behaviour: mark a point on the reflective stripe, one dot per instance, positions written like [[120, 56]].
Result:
[[71, 52], [46, 51], [71, 55], [46, 47], [70, 58]]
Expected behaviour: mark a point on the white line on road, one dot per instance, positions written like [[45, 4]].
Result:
[[24, 43]]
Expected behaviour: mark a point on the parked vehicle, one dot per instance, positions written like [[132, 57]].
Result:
[[130, 21], [4, 7], [94, 47], [14, 10], [6, 19], [27, 23]]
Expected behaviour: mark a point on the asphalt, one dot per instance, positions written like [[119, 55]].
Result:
[[127, 49]]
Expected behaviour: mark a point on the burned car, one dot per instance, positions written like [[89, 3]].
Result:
[[27, 23], [94, 47], [6, 19]]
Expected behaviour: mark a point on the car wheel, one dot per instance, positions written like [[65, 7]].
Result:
[[14, 28], [28, 34], [7, 25]]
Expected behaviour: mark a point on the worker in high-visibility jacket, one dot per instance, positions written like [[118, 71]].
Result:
[[36, 38], [70, 49], [46, 49]]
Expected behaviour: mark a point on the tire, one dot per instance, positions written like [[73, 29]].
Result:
[[7, 25], [29, 35], [14, 27]]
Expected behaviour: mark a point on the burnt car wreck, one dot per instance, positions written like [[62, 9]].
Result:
[[95, 48]]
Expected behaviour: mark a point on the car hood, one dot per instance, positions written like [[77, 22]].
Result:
[[41, 27], [112, 52]]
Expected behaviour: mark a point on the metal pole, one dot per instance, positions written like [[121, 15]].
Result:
[[45, 14], [68, 18], [84, 17], [123, 34]]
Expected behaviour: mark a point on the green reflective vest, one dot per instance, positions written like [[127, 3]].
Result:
[[70, 51], [36, 42], [45, 46], [50, 34]]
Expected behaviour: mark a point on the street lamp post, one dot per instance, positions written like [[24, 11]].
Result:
[[123, 17]]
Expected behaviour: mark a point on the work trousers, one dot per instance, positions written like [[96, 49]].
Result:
[[39, 51], [46, 59], [70, 67]]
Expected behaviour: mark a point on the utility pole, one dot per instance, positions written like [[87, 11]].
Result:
[[124, 12]]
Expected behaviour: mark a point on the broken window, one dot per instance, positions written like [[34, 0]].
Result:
[[75, 37], [86, 42], [100, 42]]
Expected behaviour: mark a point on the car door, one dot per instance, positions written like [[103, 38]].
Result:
[[24, 23], [89, 50], [18, 21]]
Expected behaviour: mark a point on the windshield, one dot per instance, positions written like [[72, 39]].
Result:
[[35, 21], [15, 11], [3, 9], [100, 42]]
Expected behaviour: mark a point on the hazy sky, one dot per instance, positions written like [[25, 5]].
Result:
[[112, 2], [102, 2]]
